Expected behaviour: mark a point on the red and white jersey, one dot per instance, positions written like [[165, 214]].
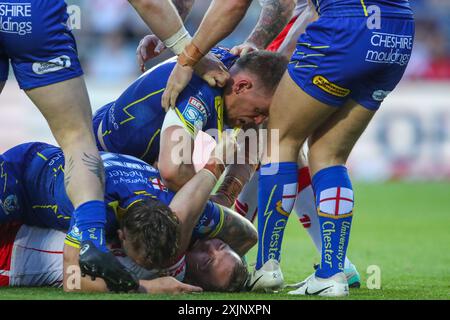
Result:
[[300, 7], [30, 256], [33, 257]]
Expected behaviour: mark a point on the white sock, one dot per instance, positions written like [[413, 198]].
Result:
[[247, 202]]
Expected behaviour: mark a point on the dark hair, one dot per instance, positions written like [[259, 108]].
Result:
[[153, 230], [267, 66]]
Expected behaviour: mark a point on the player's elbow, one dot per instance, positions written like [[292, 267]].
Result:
[[141, 6], [171, 177]]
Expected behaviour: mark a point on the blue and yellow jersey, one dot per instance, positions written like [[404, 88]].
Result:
[[32, 178], [132, 123], [387, 8]]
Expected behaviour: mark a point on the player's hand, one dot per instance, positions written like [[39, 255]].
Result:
[[149, 48], [227, 148], [178, 80], [243, 49], [212, 70], [166, 285]]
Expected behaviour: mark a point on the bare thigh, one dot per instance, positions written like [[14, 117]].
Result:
[[295, 115], [66, 107], [333, 141]]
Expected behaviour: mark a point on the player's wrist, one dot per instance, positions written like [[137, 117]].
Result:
[[190, 56], [215, 166], [178, 41]]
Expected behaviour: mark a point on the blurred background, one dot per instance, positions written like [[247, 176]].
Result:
[[409, 139]]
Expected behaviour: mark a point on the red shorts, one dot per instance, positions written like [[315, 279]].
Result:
[[8, 234], [275, 45]]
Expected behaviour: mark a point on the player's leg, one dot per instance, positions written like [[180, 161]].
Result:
[[277, 187], [330, 146], [305, 208], [66, 107]]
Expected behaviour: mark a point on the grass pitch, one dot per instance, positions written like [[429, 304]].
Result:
[[403, 228]]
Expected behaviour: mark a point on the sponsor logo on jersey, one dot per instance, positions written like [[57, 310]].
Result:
[[10, 204], [196, 113], [330, 87], [10, 13], [380, 95], [62, 62]]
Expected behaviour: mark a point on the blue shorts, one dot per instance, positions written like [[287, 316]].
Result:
[[35, 37], [340, 58]]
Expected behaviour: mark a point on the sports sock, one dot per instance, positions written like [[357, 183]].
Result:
[[276, 196], [305, 208], [334, 201], [90, 220], [247, 202]]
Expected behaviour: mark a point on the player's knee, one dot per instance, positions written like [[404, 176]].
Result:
[[325, 156]]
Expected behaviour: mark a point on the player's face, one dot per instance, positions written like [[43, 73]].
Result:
[[212, 261], [246, 103]]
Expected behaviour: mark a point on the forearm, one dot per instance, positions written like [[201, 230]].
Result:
[[220, 20], [275, 14], [236, 176], [189, 203], [160, 15], [183, 7]]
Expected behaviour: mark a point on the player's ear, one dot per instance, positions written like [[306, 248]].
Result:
[[242, 85]]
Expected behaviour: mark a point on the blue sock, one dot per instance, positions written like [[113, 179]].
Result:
[[334, 201], [276, 197], [90, 219]]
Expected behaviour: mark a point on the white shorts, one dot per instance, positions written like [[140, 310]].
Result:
[[31, 256]]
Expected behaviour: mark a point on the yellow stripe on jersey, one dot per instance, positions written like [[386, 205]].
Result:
[[130, 116], [219, 226], [40, 155], [150, 143], [3, 175], [364, 8], [189, 126], [218, 105]]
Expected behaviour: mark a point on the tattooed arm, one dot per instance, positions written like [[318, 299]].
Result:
[[275, 14], [237, 232]]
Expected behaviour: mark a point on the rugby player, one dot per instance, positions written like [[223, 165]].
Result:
[[345, 65], [36, 38], [32, 176], [33, 257], [136, 124]]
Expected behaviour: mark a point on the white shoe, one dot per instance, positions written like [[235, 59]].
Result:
[[269, 278], [335, 286], [351, 273]]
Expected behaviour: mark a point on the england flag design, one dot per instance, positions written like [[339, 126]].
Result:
[[289, 195], [336, 201], [158, 184]]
